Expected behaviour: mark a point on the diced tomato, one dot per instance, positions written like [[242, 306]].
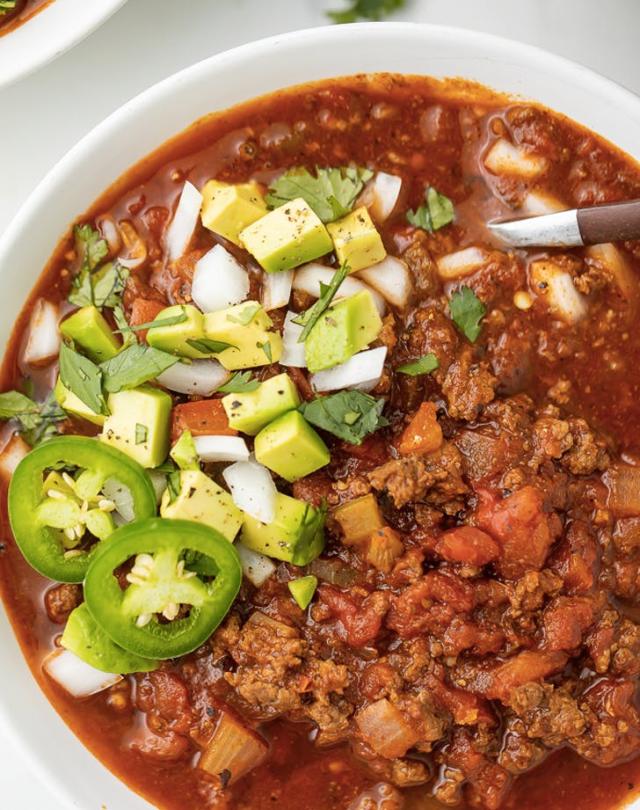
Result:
[[423, 434], [523, 529], [204, 417], [565, 620], [361, 620], [468, 545], [525, 667], [144, 310]]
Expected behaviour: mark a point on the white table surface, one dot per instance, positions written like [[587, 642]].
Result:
[[45, 114]]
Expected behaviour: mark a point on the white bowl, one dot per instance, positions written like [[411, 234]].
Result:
[[148, 120], [52, 31]]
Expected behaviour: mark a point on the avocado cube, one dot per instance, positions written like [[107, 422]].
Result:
[[72, 404], [302, 590], [90, 331], [183, 335], [139, 424], [250, 412], [228, 209], [200, 499], [287, 237], [245, 327], [290, 447], [356, 241], [343, 329], [296, 534]]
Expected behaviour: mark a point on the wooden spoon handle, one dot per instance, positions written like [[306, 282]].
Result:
[[612, 222]]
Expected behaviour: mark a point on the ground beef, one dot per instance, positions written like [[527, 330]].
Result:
[[468, 387], [435, 478], [430, 331], [60, 600]]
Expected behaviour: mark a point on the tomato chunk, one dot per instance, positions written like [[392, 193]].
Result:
[[468, 545], [202, 418]]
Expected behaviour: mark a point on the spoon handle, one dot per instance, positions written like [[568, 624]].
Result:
[[613, 222]]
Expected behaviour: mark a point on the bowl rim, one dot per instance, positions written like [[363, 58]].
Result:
[[87, 17], [585, 77]]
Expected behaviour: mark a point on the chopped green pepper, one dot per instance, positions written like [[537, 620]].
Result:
[[84, 637], [168, 609], [51, 510]]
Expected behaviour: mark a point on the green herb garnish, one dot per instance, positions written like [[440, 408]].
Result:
[[208, 346], [83, 378], [424, 365], [266, 348], [310, 317], [349, 415], [467, 310], [37, 420], [170, 321], [246, 315], [331, 192], [437, 212], [366, 10], [95, 285], [134, 366], [240, 383]]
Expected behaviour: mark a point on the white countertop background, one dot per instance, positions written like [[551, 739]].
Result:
[[147, 40]]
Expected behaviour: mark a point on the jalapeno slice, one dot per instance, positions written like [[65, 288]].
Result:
[[167, 609], [56, 504]]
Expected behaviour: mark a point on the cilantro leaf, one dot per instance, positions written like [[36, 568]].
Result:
[[331, 192], [241, 382], [424, 365], [108, 285], [83, 378], [310, 317], [208, 346], [246, 315], [91, 247], [134, 366], [367, 10], [14, 405], [50, 414], [349, 415], [467, 310], [170, 321], [94, 285], [128, 334], [437, 212]]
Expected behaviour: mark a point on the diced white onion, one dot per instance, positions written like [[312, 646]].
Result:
[[200, 377], [252, 489], [541, 202], [109, 231], [381, 195], [12, 454], [256, 567], [221, 448], [276, 289], [308, 278], [79, 679], [461, 263], [505, 157], [391, 278], [553, 284], [219, 281], [609, 256], [292, 351], [122, 497], [184, 222], [362, 371], [43, 342]]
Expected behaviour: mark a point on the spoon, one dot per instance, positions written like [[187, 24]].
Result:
[[612, 222]]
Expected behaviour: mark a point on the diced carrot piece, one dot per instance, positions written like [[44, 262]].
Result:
[[207, 416], [423, 434], [144, 310]]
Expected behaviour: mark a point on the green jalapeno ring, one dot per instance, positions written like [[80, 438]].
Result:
[[37, 541], [119, 611]]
